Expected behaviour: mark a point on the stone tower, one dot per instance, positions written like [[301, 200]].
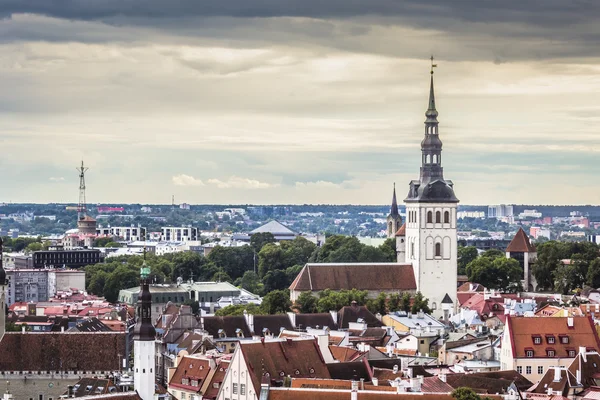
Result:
[[430, 234], [394, 220], [521, 249], [144, 376], [2, 295]]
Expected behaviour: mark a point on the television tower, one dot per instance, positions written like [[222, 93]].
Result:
[[82, 208]]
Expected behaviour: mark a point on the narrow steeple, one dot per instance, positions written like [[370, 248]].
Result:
[[431, 146], [144, 330], [394, 210]]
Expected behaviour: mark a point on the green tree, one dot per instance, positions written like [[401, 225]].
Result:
[[275, 280], [334, 300], [35, 246], [298, 251], [465, 256], [593, 274], [251, 282], [113, 245], [339, 248], [394, 302], [496, 273], [276, 302], [97, 282], [101, 242], [372, 254], [389, 249], [270, 258], [238, 310], [221, 276], [122, 277], [258, 240], [405, 302], [378, 304], [420, 303], [307, 303], [465, 393]]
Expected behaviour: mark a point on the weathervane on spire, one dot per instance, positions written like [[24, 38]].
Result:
[[145, 270], [432, 64]]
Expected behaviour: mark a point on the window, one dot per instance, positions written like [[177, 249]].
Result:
[[519, 369], [540, 370], [422, 341], [550, 339], [537, 340], [438, 217], [528, 370], [242, 389], [429, 217], [529, 353], [571, 353], [235, 388], [550, 352], [564, 339], [438, 249], [446, 217], [216, 385]]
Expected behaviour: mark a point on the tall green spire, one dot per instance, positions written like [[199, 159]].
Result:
[[145, 270]]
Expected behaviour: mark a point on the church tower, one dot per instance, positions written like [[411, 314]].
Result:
[[144, 377], [2, 295], [430, 234], [394, 220]]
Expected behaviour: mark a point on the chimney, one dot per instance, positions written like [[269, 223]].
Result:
[[471, 287], [22, 328], [354, 392], [334, 315], [583, 352], [264, 391], [62, 329], [70, 391], [556, 374], [375, 381], [292, 317], [362, 383], [415, 384], [442, 376]]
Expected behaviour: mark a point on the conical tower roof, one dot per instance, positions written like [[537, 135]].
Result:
[[520, 243], [394, 210]]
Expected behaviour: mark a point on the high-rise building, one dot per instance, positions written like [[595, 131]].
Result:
[[431, 241], [144, 334]]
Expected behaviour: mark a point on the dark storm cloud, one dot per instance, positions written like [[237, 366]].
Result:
[[538, 12]]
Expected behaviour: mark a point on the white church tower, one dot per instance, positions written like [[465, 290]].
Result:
[[430, 235], [144, 350], [2, 296]]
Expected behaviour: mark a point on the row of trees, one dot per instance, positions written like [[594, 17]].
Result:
[[260, 268], [583, 269], [491, 269]]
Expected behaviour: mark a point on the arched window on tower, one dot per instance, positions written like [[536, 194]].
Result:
[[427, 159], [429, 217], [438, 249], [390, 226], [412, 250], [446, 217], [438, 217], [434, 159]]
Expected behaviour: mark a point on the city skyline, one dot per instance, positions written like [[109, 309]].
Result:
[[297, 102]]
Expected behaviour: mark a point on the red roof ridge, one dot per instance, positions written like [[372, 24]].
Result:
[[402, 230]]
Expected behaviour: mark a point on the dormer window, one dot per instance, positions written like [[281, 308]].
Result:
[[239, 333], [221, 333], [537, 340], [571, 353], [550, 352], [550, 339], [185, 381], [564, 339], [529, 353]]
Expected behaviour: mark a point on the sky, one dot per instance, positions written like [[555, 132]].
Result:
[[297, 101]]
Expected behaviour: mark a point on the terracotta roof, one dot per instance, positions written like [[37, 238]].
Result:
[[190, 369], [342, 353], [92, 386], [303, 394], [361, 276], [316, 383], [520, 243], [352, 313], [229, 324], [274, 323], [489, 382], [313, 320], [53, 351], [402, 230], [216, 380], [471, 287], [297, 358], [433, 384], [522, 331], [113, 396]]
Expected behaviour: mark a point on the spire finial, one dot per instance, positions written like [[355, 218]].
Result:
[[432, 64], [144, 271]]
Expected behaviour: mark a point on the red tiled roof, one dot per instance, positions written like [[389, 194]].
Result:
[[523, 329], [297, 358], [489, 382], [361, 276], [471, 287], [217, 378], [303, 394], [520, 243], [342, 353], [190, 369], [54, 351], [402, 230], [352, 313]]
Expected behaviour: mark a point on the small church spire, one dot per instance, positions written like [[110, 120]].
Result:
[[431, 113], [394, 211]]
